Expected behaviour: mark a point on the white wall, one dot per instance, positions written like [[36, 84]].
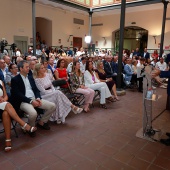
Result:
[[17, 20], [149, 20]]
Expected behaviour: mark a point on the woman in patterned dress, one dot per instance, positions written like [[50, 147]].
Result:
[[77, 84], [48, 92]]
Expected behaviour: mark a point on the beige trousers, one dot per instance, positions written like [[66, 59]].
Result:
[[48, 107]]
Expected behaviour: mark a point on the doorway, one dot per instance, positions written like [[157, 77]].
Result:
[[22, 43], [77, 42], [44, 28], [133, 37]]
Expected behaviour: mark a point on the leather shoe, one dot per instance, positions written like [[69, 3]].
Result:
[[44, 126], [168, 134], [32, 134], [165, 141]]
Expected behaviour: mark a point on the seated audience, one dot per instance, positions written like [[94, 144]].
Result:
[[92, 82], [83, 64], [51, 65], [130, 76], [3, 70], [13, 71], [61, 72], [108, 68], [7, 61], [7, 113], [29, 52], [48, 92], [78, 86], [31, 66], [48, 71], [155, 55], [109, 81], [26, 96], [161, 65], [134, 69]]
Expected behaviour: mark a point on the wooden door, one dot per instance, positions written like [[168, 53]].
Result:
[[77, 42]]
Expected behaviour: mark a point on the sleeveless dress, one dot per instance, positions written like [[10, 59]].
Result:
[[63, 74], [3, 104]]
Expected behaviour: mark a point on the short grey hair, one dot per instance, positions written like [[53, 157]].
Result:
[[21, 64]]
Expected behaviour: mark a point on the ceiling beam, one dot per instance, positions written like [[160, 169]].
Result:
[[130, 4], [71, 4]]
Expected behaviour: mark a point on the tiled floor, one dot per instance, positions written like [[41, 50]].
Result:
[[100, 140]]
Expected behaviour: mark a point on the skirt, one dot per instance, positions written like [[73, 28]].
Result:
[[2, 107]]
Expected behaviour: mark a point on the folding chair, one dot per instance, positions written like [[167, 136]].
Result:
[[96, 96], [76, 98]]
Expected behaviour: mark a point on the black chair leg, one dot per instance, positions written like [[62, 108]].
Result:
[[14, 128]]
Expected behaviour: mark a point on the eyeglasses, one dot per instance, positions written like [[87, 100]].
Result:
[[14, 67]]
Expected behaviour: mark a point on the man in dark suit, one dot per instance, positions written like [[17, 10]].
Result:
[[108, 67], [136, 52], [31, 66], [146, 55], [26, 96], [51, 65]]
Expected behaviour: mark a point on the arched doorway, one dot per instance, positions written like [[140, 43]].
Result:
[[44, 27], [133, 37]]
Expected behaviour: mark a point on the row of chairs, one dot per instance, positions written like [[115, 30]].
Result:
[[76, 98]]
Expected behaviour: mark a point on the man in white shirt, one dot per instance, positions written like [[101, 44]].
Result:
[[26, 96], [161, 65]]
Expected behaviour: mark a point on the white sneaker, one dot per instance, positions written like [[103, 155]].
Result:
[[162, 86], [153, 87]]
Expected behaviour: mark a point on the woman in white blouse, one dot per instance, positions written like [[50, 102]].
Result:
[[48, 92], [94, 83]]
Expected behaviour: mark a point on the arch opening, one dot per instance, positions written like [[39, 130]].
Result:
[[133, 37]]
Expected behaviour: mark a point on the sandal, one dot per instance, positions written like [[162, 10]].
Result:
[[8, 148], [32, 129], [111, 99], [103, 106], [76, 109], [116, 98]]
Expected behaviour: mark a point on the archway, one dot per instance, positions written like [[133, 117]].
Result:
[[133, 37], [44, 27]]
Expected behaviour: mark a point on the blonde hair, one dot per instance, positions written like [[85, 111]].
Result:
[[36, 69], [98, 66]]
